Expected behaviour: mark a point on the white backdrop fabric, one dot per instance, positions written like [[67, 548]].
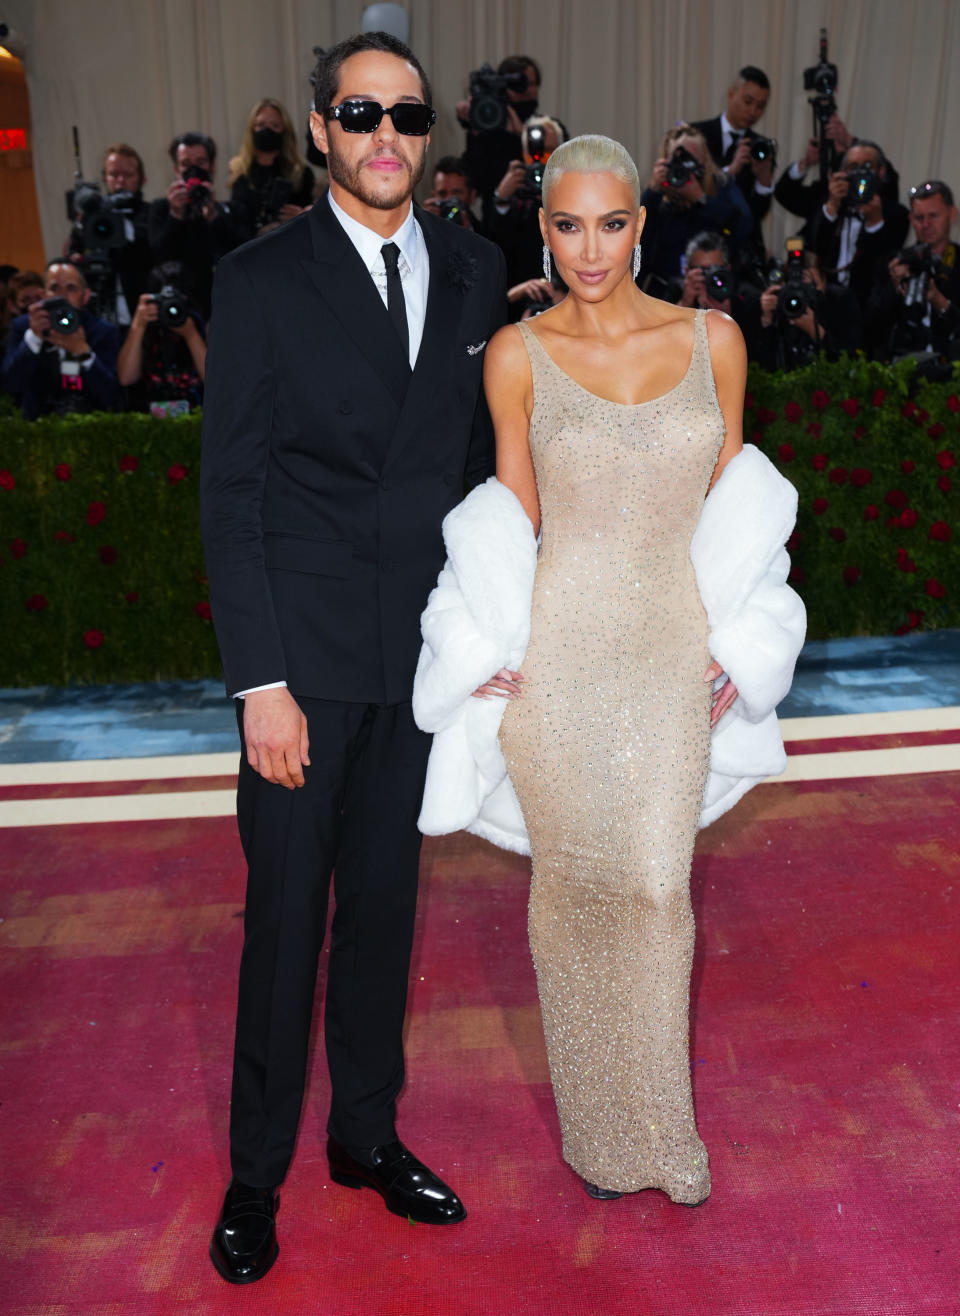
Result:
[[143, 70]]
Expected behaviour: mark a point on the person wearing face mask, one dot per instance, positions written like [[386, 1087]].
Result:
[[269, 180]]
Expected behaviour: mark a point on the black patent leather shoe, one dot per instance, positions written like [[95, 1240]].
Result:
[[244, 1244], [404, 1183]]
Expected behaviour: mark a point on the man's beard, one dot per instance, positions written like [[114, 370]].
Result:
[[350, 177]]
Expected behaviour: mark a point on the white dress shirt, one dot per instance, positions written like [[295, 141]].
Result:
[[414, 267]]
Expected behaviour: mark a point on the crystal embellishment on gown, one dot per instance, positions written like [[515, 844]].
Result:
[[608, 751]]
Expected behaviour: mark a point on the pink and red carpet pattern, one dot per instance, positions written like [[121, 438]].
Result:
[[825, 1058]]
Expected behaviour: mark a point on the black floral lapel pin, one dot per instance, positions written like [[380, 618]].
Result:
[[461, 270]]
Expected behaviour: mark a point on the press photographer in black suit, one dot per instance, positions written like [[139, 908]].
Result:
[[731, 138], [343, 411]]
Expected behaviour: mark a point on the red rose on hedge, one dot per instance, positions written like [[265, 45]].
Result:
[[765, 416], [946, 459], [913, 621], [108, 555], [870, 512], [935, 589], [202, 609], [860, 477], [132, 597], [785, 452], [748, 400], [793, 541], [65, 536], [921, 417], [896, 498], [943, 483], [176, 473], [839, 475], [63, 471], [851, 406], [93, 639], [820, 460], [936, 430], [819, 399], [18, 547], [837, 533], [95, 513], [6, 480], [792, 412], [859, 432], [908, 409], [908, 519], [814, 429], [851, 575], [878, 396], [757, 436], [953, 403], [904, 561], [908, 467], [820, 505], [940, 531], [36, 603], [128, 465], [798, 574]]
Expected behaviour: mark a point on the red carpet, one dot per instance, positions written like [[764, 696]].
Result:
[[825, 1062]]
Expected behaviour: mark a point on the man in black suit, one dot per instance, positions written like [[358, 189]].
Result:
[[730, 137], [343, 412]]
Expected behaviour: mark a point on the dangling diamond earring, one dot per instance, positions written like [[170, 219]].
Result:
[[636, 261], [547, 273]]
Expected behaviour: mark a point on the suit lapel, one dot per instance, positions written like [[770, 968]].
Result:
[[344, 282], [440, 332]]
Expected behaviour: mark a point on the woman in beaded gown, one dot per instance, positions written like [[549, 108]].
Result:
[[614, 413]]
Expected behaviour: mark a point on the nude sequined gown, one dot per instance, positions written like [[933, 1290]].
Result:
[[608, 752]]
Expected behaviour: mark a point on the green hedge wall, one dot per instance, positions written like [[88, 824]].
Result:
[[101, 567]]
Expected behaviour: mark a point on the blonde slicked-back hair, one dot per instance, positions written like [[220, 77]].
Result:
[[591, 154]]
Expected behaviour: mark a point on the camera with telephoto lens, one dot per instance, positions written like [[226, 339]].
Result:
[[923, 265], [683, 166], [173, 308], [720, 280], [796, 296], [64, 318], [100, 217], [763, 149], [196, 179], [488, 98]]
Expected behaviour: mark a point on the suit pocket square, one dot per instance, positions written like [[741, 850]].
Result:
[[474, 348]]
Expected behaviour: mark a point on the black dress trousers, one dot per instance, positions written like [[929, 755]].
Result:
[[356, 815]]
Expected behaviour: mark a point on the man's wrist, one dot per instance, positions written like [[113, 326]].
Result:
[[255, 689]]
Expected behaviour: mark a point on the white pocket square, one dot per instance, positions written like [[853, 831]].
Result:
[[474, 348]]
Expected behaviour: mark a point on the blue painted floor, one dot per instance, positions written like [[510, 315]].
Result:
[[871, 675]]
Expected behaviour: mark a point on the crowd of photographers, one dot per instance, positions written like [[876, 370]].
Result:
[[118, 319]]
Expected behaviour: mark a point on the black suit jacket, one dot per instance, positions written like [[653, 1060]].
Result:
[[872, 253], [759, 203], [328, 466]]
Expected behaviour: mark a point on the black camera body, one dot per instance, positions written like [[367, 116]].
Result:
[[100, 217], [923, 266], [64, 318], [173, 308], [683, 166], [763, 149], [796, 296], [196, 180], [721, 281], [279, 194], [862, 186], [488, 98]]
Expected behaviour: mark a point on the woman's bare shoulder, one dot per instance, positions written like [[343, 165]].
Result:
[[505, 361], [727, 346]]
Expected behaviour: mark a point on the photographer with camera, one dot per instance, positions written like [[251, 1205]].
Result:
[[916, 311], [109, 239], [270, 181], [858, 230], [686, 195], [710, 283], [513, 215], [499, 104], [452, 194], [745, 155], [21, 289], [801, 315], [163, 360], [188, 224], [60, 358]]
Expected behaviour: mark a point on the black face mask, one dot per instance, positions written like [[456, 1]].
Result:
[[267, 139], [524, 109]]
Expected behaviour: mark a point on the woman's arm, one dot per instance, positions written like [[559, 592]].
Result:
[[508, 384], [130, 360], [728, 356]]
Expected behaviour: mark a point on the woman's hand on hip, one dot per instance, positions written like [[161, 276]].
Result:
[[505, 685], [722, 698]]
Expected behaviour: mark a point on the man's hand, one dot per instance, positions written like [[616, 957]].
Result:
[[741, 157], [39, 320], [768, 305], [837, 189], [512, 179], [177, 196], [290, 211], [146, 313], [936, 298], [871, 211], [694, 287], [538, 290], [763, 170], [75, 343], [275, 734], [811, 156], [899, 273], [838, 132], [807, 322]]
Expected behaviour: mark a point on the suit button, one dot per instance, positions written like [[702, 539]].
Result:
[[386, 484], [449, 478], [345, 407]]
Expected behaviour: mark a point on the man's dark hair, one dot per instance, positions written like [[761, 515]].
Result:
[[326, 75], [923, 191], [453, 164], [6, 271], [873, 146], [194, 139], [172, 273], [519, 64], [707, 241], [750, 73]]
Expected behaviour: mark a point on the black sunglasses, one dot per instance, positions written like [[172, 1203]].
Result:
[[411, 118]]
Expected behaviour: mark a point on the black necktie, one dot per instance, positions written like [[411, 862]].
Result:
[[732, 148], [396, 306]]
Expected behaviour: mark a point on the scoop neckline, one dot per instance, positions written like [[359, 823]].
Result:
[[628, 406]]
